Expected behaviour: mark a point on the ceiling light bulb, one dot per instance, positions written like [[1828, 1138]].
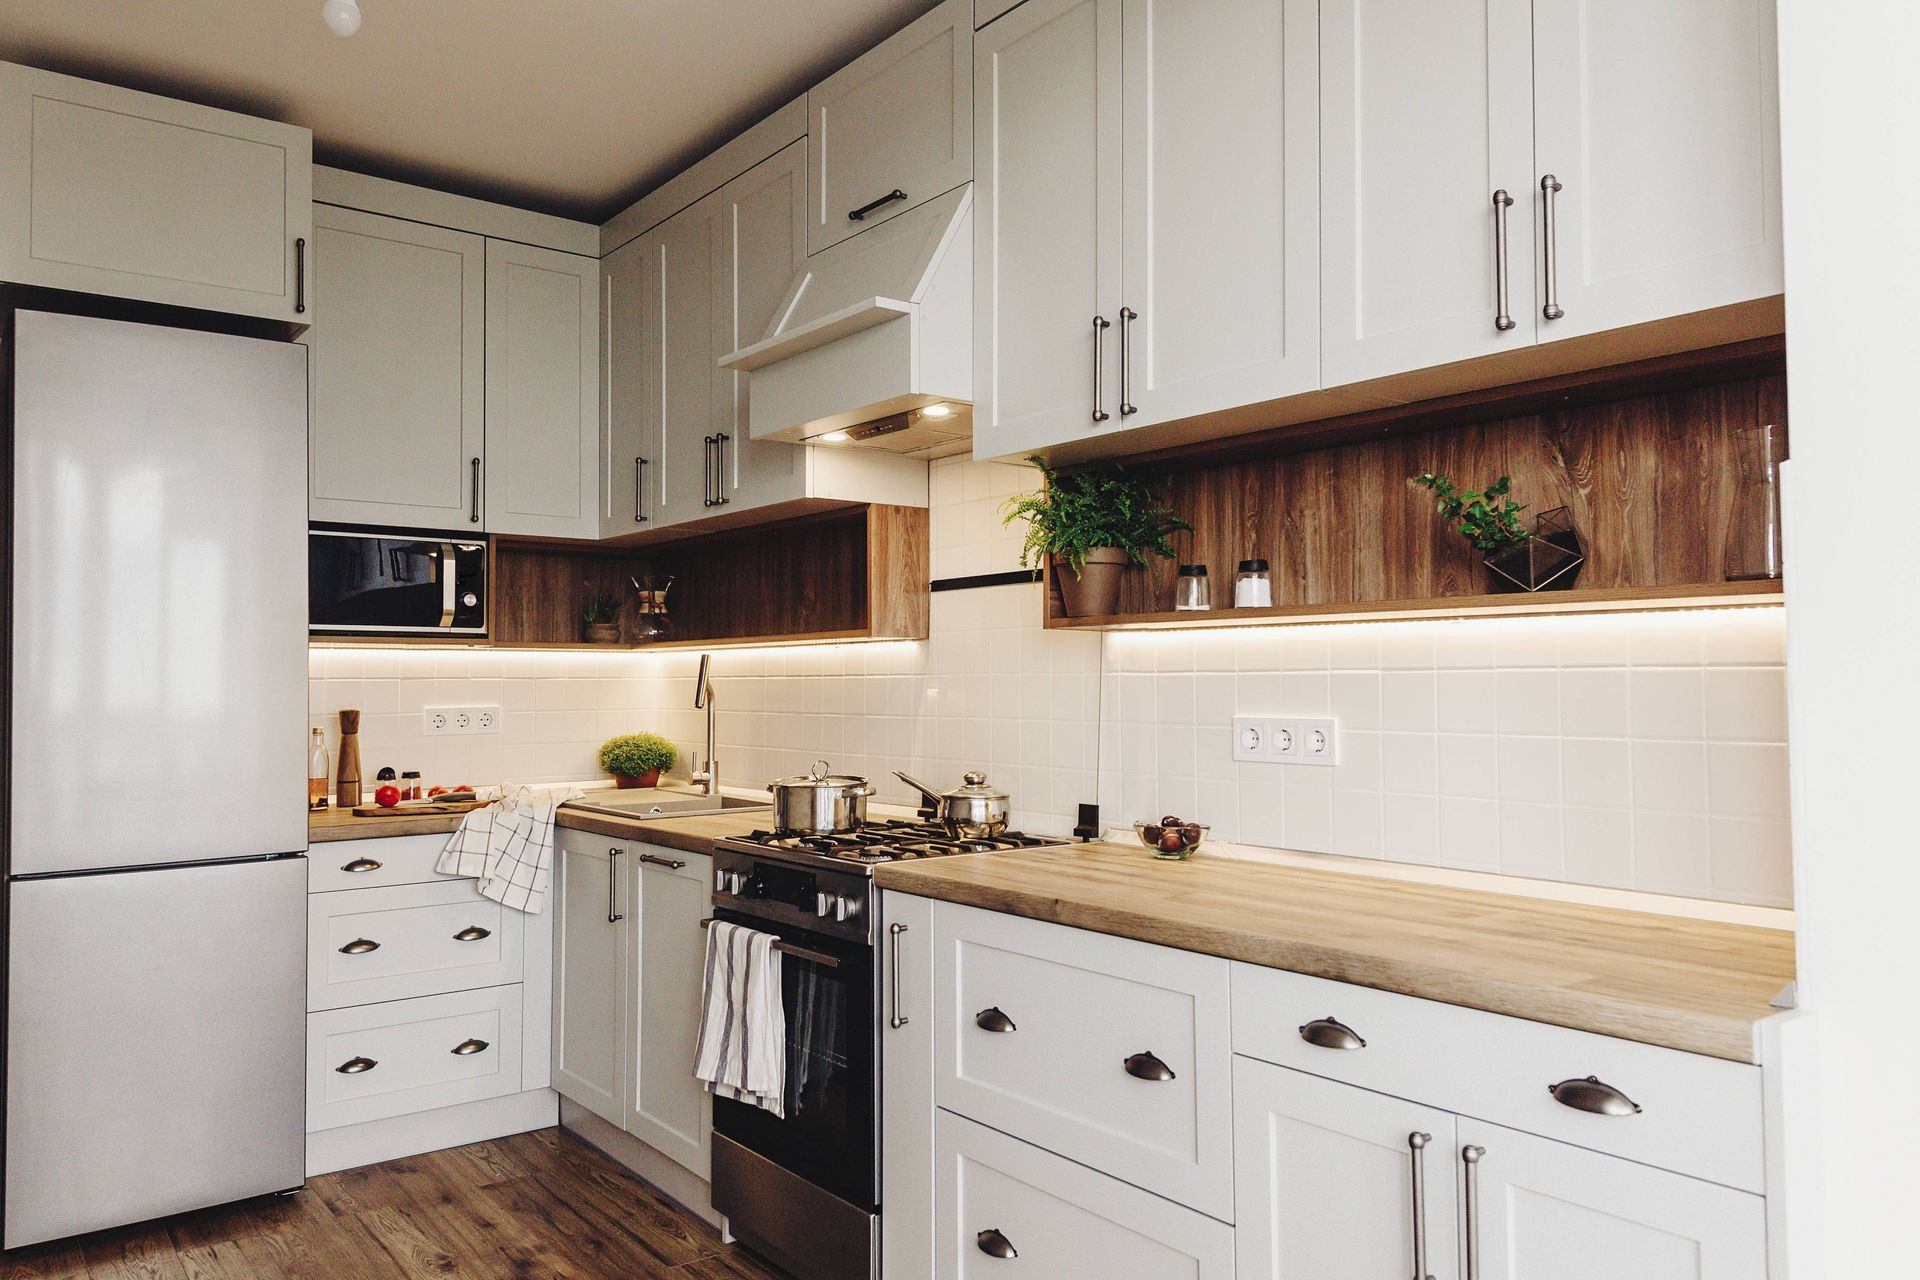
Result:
[[341, 16], [833, 437], [936, 411]]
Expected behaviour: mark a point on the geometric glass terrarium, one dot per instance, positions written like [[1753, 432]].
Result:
[[1549, 560]]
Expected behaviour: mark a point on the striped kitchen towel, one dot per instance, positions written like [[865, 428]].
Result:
[[741, 1051], [508, 847]]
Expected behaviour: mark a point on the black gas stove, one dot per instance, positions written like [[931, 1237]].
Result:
[[888, 840]]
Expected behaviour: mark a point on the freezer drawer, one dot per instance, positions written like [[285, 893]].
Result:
[[155, 1026]]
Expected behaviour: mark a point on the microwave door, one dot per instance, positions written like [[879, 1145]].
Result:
[[362, 583]]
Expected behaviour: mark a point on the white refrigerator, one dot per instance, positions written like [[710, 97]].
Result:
[[155, 797]]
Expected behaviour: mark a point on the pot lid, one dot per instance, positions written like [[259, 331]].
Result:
[[976, 786], [819, 777]]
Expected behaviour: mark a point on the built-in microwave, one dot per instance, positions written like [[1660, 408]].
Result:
[[376, 582]]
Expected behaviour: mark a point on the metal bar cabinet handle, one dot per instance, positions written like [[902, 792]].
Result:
[[860, 214], [1127, 316], [475, 466], [672, 864], [613, 886], [639, 490], [899, 1019], [1503, 307], [1417, 1143], [1549, 188], [300, 276], [1100, 326], [720, 442], [1471, 1156]]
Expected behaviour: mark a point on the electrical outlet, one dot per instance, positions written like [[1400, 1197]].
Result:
[[440, 721], [1315, 742], [1277, 741]]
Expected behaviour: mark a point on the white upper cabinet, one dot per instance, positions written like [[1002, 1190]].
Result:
[[1549, 1209], [543, 392], [761, 225], [396, 373], [1426, 115], [894, 129], [1660, 124], [628, 454], [130, 195], [678, 333], [1048, 225], [1219, 206]]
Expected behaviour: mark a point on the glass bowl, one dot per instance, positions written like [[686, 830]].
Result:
[[1171, 842]]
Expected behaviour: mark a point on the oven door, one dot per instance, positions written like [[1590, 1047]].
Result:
[[832, 1098]]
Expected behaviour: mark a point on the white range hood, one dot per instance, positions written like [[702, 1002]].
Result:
[[873, 345]]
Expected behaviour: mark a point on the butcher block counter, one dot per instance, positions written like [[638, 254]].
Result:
[[1687, 984]]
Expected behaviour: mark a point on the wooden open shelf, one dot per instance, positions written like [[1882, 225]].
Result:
[[1646, 461]]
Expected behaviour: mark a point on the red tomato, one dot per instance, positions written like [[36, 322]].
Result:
[[387, 797], [435, 791]]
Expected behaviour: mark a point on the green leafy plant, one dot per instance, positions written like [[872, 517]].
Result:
[[601, 606], [1481, 517], [1072, 515], [633, 754]]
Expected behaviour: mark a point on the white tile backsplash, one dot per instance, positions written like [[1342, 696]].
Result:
[[1643, 751]]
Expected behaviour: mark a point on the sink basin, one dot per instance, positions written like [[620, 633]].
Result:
[[650, 802]]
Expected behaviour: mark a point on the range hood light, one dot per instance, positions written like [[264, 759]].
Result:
[[936, 411], [834, 437]]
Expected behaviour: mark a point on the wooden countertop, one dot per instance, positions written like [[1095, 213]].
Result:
[[693, 835], [340, 824], [1686, 984]]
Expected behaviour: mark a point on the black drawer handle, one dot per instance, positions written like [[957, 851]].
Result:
[[860, 214], [361, 865], [467, 1048], [1331, 1033], [995, 1245], [354, 1066], [359, 947], [993, 1020], [472, 933], [1144, 1066], [1594, 1095]]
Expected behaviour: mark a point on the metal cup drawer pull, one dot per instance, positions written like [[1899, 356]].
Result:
[[993, 1020], [472, 933], [1595, 1095], [354, 1066], [1331, 1033], [359, 947], [995, 1245], [1144, 1066], [467, 1048], [359, 866]]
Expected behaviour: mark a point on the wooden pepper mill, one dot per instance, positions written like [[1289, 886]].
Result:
[[349, 795]]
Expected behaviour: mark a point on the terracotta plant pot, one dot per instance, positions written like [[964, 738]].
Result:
[[603, 633], [1096, 591], [651, 778]]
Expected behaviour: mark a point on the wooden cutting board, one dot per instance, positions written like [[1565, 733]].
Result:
[[417, 810]]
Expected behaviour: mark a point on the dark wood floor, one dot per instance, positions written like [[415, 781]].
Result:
[[540, 1205]]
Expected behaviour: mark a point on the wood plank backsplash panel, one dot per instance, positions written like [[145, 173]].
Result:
[[1650, 482]]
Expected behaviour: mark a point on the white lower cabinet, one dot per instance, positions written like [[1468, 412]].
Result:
[[409, 940], [381, 1060], [589, 972], [906, 1087], [1007, 1208]]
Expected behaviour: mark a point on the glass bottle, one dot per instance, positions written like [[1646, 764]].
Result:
[[1753, 525], [1191, 593], [319, 770], [1252, 586], [410, 788]]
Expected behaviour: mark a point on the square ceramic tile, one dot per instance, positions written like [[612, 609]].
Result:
[[1596, 771], [1671, 854], [1470, 833], [1532, 842], [1410, 762], [1410, 828], [1407, 700], [1594, 703], [1670, 776], [1467, 701], [1752, 860], [1469, 766], [1529, 701], [1747, 704], [1357, 823], [1668, 703], [1530, 769], [1599, 846], [1747, 779]]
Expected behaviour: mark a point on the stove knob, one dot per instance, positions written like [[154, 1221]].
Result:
[[842, 908], [719, 881], [736, 883], [823, 905]]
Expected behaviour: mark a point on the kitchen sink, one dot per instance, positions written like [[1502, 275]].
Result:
[[651, 802]]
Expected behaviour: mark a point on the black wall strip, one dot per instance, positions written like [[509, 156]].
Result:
[[986, 580]]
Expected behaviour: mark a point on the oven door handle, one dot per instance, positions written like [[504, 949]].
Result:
[[820, 958]]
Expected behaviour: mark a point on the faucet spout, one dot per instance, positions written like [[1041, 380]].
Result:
[[709, 776]]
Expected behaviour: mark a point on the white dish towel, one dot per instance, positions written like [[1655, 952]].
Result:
[[508, 846], [741, 1053]]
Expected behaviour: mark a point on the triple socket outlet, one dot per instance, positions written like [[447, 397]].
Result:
[[1277, 741], [444, 720]]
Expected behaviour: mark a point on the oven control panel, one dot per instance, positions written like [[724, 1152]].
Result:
[[817, 899]]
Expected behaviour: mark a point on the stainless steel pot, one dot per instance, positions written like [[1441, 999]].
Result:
[[819, 803], [974, 809]]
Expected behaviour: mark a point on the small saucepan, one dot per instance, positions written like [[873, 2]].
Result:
[[974, 810]]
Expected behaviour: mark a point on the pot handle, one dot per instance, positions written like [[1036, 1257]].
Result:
[[819, 771], [933, 797]]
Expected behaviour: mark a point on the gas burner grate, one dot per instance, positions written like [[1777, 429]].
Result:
[[894, 839]]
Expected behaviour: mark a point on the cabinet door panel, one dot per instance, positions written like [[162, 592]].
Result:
[[667, 1108], [396, 372], [1425, 111], [543, 394], [1661, 122], [1221, 206], [906, 1086], [1047, 138], [762, 233], [681, 301], [632, 446], [1324, 1180], [589, 1022], [1550, 1211]]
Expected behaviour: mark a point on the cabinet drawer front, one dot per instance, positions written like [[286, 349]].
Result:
[[373, 864], [999, 1198], [1112, 1052], [426, 1053], [1698, 1115], [426, 938]]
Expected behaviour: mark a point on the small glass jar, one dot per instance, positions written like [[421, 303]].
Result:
[[1191, 593], [410, 788], [1252, 586]]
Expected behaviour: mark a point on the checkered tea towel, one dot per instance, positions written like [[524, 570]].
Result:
[[508, 846]]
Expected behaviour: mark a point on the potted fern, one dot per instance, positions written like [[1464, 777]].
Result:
[[1545, 556], [636, 759], [1091, 524]]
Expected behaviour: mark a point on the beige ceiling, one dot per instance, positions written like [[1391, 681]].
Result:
[[574, 107]]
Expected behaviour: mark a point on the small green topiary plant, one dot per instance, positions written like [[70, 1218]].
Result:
[[1074, 514], [634, 755], [1481, 517]]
